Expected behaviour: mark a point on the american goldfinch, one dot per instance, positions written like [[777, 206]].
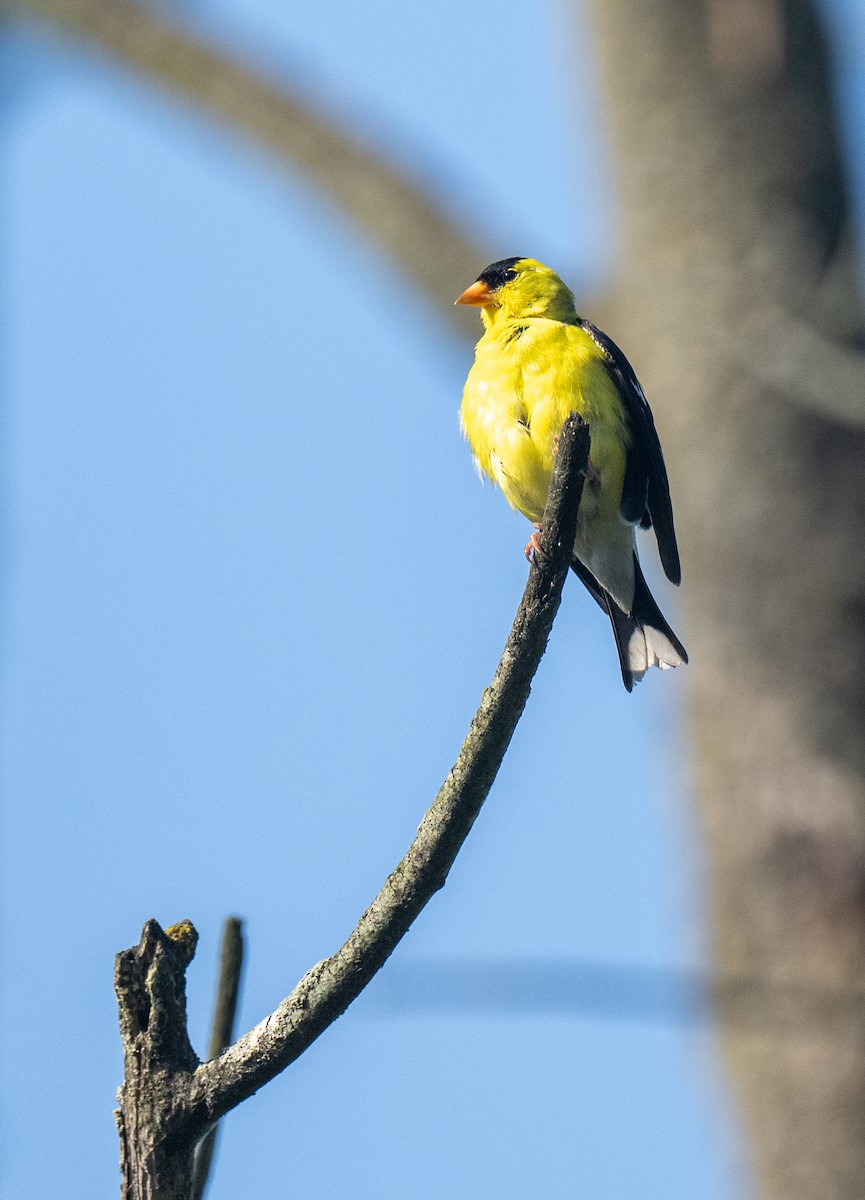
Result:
[[536, 362]]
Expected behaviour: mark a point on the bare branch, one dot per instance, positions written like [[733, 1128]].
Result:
[[225, 1011], [396, 212], [327, 990]]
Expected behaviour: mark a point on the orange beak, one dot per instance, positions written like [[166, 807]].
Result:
[[478, 296]]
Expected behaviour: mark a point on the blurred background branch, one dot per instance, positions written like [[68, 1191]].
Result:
[[395, 212], [222, 1033], [609, 992]]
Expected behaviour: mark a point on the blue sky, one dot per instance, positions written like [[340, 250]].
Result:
[[252, 592]]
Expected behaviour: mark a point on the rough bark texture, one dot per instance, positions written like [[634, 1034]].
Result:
[[736, 241], [156, 1154]]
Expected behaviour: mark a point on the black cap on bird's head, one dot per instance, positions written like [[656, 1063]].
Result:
[[499, 273], [491, 278], [519, 287]]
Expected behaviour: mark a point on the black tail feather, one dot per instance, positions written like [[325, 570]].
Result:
[[645, 614], [646, 611], [623, 625]]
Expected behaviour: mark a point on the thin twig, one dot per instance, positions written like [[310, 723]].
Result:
[[327, 990], [224, 1014]]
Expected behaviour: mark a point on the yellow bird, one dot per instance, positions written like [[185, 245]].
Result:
[[536, 362]]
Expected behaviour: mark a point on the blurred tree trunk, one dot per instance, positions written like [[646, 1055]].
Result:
[[739, 303]]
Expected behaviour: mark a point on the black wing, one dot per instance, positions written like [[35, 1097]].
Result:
[[646, 491]]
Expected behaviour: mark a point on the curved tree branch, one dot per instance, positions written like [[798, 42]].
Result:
[[168, 1100], [394, 211], [327, 990]]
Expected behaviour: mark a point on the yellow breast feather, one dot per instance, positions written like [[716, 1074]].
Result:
[[526, 378]]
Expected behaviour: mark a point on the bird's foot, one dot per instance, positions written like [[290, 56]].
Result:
[[533, 545]]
